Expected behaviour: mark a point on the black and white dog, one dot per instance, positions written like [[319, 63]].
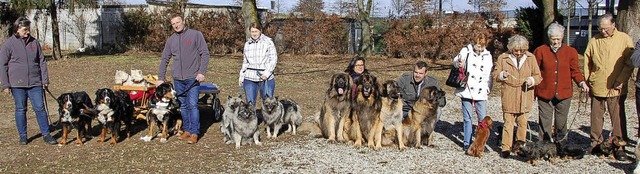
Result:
[[163, 110], [75, 110], [113, 107]]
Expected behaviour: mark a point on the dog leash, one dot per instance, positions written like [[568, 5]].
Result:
[[46, 106], [240, 90], [194, 84], [575, 115]]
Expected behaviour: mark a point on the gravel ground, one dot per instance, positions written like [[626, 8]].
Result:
[[316, 155]]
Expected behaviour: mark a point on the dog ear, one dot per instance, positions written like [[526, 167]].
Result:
[[333, 79], [60, 98], [159, 92], [385, 89]]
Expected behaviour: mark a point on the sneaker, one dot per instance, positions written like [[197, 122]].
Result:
[[505, 154], [23, 140], [50, 140], [465, 148], [184, 136], [193, 139]]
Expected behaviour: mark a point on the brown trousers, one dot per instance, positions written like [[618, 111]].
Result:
[[507, 131], [597, 118]]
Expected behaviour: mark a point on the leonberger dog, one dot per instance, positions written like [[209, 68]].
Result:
[[365, 112], [423, 111], [390, 113], [335, 108]]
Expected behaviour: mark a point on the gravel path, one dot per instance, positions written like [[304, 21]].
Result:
[[315, 155]]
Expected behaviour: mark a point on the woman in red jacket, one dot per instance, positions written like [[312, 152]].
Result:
[[558, 66]]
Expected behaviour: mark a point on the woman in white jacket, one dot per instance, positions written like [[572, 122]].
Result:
[[478, 63]]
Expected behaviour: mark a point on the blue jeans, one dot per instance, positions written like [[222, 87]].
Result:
[[189, 105], [467, 111], [35, 94], [251, 89]]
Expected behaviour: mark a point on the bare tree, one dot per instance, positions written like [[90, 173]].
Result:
[[4, 29], [347, 8], [309, 8], [250, 16], [399, 7], [417, 7], [628, 17], [364, 17], [569, 10], [237, 2], [487, 5], [78, 25], [592, 8]]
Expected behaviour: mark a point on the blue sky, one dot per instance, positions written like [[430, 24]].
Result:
[[383, 5]]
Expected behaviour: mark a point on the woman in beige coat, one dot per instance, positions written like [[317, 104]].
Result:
[[517, 72]]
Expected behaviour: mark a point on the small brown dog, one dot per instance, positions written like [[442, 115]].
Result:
[[482, 135]]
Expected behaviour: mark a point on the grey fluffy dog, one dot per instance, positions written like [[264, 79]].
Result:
[[230, 112], [273, 113], [292, 115], [245, 125]]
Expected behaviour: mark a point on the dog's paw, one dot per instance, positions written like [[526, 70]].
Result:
[[403, 148], [259, 143], [331, 141], [163, 140], [376, 148], [146, 138], [237, 146]]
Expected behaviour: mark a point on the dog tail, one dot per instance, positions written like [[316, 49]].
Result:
[[316, 132]]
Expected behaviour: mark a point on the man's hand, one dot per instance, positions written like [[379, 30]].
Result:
[[262, 77], [200, 78], [240, 83], [618, 85], [45, 86]]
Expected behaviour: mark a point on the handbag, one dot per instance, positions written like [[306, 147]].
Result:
[[458, 76]]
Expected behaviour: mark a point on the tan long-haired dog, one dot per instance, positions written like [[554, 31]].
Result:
[[424, 110], [390, 113], [335, 108], [365, 113], [482, 135]]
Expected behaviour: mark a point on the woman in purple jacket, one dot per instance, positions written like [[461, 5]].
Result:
[[24, 74]]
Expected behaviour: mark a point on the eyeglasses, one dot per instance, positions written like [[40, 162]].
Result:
[[604, 28]]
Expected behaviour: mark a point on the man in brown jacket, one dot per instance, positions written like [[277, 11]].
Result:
[[517, 72], [607, 69], [558, 65]]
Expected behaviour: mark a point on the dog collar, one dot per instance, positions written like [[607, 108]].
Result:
[[482, 125]]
